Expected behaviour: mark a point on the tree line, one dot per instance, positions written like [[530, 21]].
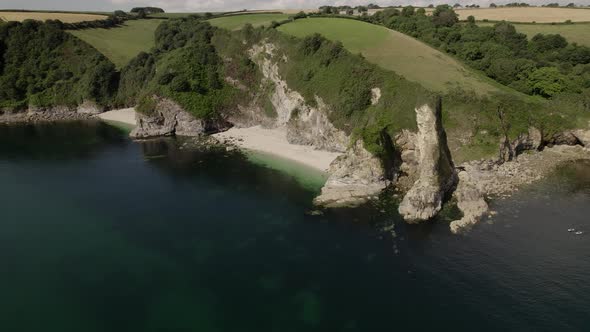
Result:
[[545, 65], [43, 66]]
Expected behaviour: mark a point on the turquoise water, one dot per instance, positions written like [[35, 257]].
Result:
[[99, 233]]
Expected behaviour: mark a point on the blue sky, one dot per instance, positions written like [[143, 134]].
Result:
[[220, 5]]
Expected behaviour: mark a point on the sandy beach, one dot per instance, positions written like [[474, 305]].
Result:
[[126, 115], [274, 141]]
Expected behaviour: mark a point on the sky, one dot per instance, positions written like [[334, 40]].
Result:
[[226, 5]]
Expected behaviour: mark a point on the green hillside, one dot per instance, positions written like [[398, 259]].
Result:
[[235, 22], [395, 51], [121, 44]]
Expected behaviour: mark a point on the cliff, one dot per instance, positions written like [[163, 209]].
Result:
[[436, 172]]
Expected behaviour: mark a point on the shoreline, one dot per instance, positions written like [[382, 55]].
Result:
[[124, 116], [274, 142]]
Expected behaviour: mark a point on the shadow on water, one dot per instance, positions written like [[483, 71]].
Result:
[[61, 140], [154, 236]]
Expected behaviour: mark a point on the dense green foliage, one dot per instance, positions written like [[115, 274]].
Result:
[[43, 66], [183, 66], [546, 65]]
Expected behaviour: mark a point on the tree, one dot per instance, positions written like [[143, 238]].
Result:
[[141, 14], [493, 5], [471, 19], [444, 16], [546, 81], [571, 5], [457, 5], [544, 43], [147, 10], [408, 11]]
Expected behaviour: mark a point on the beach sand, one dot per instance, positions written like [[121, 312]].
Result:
[[274, 141], [126, 116]]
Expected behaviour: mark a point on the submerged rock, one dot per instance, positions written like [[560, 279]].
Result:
[[355, 177], [436, 173]]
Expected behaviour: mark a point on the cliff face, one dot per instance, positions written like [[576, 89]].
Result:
[[418, 163], [436, 172], [304, 124], [168, 119]]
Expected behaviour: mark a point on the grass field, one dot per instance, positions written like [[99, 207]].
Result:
[[42, 16], [527, 14], [121, 44], [395, 51], [235, 22], [574, 33]]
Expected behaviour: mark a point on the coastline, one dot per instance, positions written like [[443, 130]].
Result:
[[274, 142], [125, 116]]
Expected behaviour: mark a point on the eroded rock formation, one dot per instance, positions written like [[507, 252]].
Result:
[[436, 172], [168, 119], [355, 176]]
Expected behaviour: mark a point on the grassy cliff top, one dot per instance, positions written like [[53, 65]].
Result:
[[235, 22], [123, 43], [397, 52]]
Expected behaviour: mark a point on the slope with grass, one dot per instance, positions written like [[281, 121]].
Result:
[[235, 22], [574, 33], [527, 14], [397, 52], [42, 16], [123, 43]]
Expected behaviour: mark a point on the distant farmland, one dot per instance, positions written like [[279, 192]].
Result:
[[42, 16], [527, 14], [574, 33], [235, 22]]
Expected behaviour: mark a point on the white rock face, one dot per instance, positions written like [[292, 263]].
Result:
[[355, 176], [436, 174], [375, 96], [583, 136], [305, 125]]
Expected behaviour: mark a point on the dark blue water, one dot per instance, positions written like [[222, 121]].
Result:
[[98, 233]]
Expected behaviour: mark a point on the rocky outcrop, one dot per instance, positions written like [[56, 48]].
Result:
[[583, 137], [168, 119], [509, 150], [42, 114], [471, 202], [436, 173], [355, 177], [89, 107]]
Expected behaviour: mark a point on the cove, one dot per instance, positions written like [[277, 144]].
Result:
[[100, 233]]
